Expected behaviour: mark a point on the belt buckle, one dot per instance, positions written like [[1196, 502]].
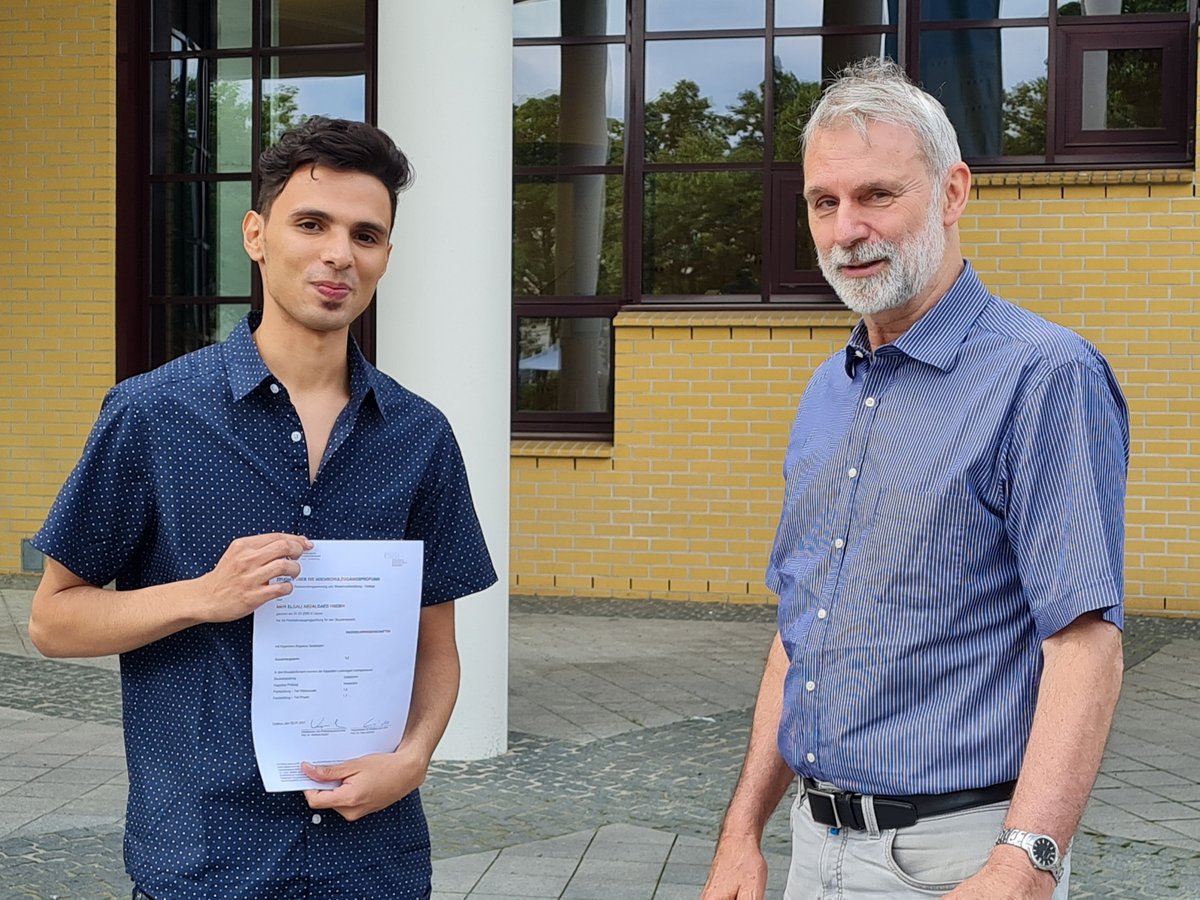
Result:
[[827, 796]]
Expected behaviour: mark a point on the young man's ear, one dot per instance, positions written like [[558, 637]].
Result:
[[252, 235]]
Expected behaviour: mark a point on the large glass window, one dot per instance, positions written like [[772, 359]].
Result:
[[570, 206], [658, 154], [217, 81]]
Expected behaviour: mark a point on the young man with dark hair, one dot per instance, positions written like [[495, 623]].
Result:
[[201, 484]]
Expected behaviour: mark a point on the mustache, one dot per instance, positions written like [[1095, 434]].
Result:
[[862, 254]]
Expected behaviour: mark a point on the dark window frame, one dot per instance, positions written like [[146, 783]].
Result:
[[549, 424], [1144, 145], [787, 186]]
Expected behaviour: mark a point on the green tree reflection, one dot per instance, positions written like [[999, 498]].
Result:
[[702, 230], [1024, 123]]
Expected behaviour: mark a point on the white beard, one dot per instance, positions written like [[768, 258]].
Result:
[[910, 267]]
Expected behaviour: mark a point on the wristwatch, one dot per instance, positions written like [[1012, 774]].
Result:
[[1042, 850]]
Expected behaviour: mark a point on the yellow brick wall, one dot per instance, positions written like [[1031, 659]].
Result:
[[684, 503], [57, 94], [1120, 264]]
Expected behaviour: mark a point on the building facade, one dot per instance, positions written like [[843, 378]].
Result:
[[665, 312]]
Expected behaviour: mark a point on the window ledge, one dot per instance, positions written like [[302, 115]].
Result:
[[1108, 176], [736, 318], [577, 449]]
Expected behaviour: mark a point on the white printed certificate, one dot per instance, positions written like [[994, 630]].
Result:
[[334, 660]]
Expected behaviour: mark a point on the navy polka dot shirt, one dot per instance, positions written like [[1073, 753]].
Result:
[[183, 460]]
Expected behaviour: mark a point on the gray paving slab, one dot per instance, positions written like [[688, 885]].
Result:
[[536, 883], [461, 874]]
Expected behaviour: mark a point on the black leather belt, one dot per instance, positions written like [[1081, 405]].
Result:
[[840, 809]]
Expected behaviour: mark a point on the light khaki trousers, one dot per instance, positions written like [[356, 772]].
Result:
[[924, 860]]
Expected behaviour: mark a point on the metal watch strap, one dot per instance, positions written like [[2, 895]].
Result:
[[1025, 840]]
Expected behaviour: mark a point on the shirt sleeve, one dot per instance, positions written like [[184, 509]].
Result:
[[97, 523], [1066, 470], [457, 562]]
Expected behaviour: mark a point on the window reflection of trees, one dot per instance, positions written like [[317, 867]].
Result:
[[701, 230], [566, 242]]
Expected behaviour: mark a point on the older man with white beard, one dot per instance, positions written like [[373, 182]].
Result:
[[949, 555]]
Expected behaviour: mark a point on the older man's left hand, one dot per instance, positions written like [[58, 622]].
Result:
[[1003, 879]]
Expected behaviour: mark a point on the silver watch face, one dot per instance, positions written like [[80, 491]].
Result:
[[1044, 852]]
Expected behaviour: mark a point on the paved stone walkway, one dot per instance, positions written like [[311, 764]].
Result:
[[629, 720]]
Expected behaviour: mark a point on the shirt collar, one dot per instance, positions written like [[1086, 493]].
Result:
[[936, 337], [247, 370]]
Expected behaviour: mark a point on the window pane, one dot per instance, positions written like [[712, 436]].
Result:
[[574, 18], [567, 236], [688, 15], [179, 328], [703, 233], [808, 13], [932, 10], [312, 84], [201, 24], [799, 64], [564, 365], [704, 100], [1120, 7], [588, 82], [1123, 88], [293, 23], [196, 238], [202, 111], [992, 82]]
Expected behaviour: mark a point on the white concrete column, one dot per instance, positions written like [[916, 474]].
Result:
[[445, 306]]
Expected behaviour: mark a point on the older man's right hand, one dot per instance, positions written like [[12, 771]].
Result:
[[738, 871]]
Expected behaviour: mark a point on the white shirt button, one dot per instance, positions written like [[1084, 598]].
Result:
[[274, 389], [839, 543], [858, 353], [810, 685], [821, 613], [811, 757], [852, 472], [307, 510], [870, 401], [316, 819], [296, 437]]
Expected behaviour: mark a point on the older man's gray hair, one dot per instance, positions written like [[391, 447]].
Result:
[[877, 90]]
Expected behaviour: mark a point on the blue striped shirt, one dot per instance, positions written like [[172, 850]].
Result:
[[952, 499]]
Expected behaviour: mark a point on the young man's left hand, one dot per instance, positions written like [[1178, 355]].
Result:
[[368, 783]]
